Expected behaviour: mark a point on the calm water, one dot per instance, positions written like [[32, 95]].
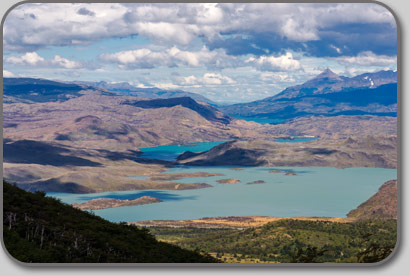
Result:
[[171, 152], [312, 192], [261, 120]]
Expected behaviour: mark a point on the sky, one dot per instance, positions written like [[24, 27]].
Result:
[[226, 52]]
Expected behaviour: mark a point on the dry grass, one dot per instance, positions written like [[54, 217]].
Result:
[[233, 222]]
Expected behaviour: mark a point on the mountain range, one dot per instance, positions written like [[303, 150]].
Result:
[[126, 89], [78, 138], [328, 95]]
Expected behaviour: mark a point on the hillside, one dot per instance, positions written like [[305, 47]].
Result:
[[206, 111], [382, 205], [122, 123], [91, 142], [36, 231], [30, 90], [376, 152], [328, 95], [290, 241]]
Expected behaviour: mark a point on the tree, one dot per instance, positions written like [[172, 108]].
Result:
[[374, 252], [307, 255]]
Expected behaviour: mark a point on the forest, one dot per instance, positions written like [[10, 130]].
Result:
[[41, 229]]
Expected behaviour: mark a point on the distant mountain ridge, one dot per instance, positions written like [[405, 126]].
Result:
[[329, 95], [124, 88], [329, 82], [31, 90], [39, 90]]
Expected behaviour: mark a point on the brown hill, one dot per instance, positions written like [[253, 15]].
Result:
[[382, 205], [376, 152]]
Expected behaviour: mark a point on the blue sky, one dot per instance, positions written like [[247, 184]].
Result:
[[226, 52]]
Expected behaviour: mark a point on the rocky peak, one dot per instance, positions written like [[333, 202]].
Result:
[[327, 74]]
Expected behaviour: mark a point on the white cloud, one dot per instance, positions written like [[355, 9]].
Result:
[[8, 74], [165, 85], [275, 64], [33, 59], [367, 58], [216, 59], [65, 63], [276, 77], [297, 30], [146, 58], [206, 79], [29, 27], [336, 49], [141, 58]]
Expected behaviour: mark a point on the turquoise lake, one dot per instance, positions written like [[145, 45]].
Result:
[[313, 191], [171, 152]]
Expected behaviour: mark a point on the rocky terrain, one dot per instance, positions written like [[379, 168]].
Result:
[[59, 137], [382, 205], [371, 151], [65, 137], [119, 123], [104, 203], [337, 127]]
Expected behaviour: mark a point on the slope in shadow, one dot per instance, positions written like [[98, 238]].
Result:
[[35, 152], [208, 112]]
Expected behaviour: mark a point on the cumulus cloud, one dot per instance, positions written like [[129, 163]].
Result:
[[141, 58], [367, 58], [8, 74], [32, 26], [172, 57], [34, 59], [27, 59], [217, 59], [275, 64], [206, 79]]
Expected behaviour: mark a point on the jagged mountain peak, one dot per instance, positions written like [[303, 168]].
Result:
[[327, 74]]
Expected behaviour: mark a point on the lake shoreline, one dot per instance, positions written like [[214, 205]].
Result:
[[233, 222]]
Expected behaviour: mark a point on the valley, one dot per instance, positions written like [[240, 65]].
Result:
[[68, 139], [190, 133]]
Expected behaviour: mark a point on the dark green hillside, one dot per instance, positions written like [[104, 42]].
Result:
[[41, 229], [290, 241]]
